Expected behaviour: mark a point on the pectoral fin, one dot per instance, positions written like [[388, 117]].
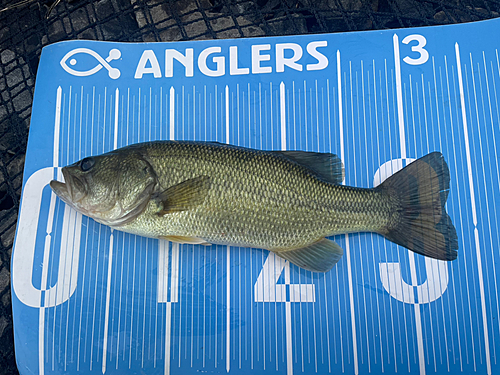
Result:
[[184, 196], [186, 240], [321, 256]]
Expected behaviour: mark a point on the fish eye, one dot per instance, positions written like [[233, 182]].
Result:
[[86, 164]]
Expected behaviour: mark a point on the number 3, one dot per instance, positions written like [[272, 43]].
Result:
[[424, 55]]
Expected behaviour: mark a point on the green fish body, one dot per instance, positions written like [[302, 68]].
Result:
[[283, 201]]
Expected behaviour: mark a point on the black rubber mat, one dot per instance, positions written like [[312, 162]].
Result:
[[27, 26]]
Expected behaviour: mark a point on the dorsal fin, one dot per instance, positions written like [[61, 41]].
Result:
[[327, 166]]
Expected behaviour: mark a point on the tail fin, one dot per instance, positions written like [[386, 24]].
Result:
[[420, 222]]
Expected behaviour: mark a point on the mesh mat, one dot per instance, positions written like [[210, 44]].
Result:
[[26, 28]]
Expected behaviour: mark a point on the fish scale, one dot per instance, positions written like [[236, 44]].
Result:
[[283, 201], [280, 198]]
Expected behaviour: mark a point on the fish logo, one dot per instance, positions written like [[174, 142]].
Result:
[[114, 54]]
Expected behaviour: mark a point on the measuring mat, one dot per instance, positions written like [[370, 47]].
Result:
[[91, 300]]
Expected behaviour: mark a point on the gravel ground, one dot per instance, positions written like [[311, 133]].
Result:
[[25, 29]]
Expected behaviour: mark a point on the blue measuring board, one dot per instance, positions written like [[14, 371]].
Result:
[[90, 300]]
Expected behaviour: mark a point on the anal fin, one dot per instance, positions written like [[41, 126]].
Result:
[[321, 256]]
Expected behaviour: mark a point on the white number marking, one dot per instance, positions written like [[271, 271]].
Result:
[[419, 48], [267, 289]]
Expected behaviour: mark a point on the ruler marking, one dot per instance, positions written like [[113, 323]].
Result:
[[228, 265], [473, 204], [347, 244], [411, 255]]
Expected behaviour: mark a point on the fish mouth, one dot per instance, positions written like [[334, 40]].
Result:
[[61, 189], [70, 191]]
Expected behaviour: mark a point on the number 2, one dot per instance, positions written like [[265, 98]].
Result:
[[419, 48]]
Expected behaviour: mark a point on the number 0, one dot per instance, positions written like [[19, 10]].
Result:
[[424, 55]]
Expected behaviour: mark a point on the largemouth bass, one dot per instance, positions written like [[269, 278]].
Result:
[[284, 201]]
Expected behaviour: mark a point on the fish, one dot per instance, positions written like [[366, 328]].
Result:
[[287, 202]]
